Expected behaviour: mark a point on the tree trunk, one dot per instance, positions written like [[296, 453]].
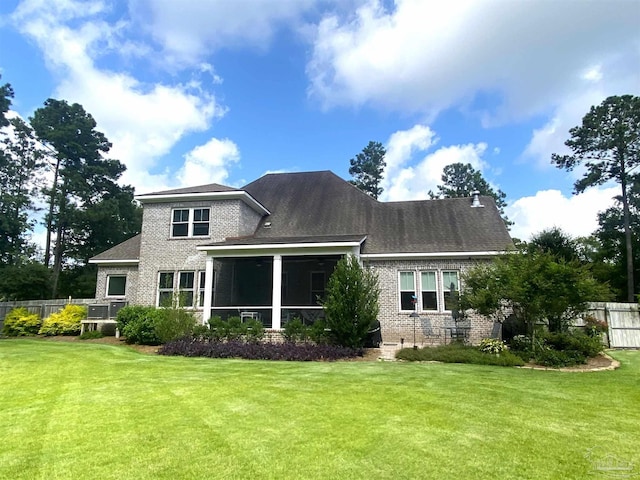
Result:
[[627, 234], [52, 201]]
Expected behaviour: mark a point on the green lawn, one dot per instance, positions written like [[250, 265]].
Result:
[[76, 410]]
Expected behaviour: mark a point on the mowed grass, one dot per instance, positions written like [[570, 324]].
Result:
[[76, 411]]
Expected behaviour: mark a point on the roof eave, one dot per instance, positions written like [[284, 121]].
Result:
[[114, 262], [189, 197], [429, 255]]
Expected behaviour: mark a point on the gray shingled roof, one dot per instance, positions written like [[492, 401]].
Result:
[[293, 240], [209, 188], [313, 207], [127, 250], [321, 203]]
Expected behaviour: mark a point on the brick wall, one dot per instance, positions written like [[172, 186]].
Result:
[[160, 252], [429, 328], [131, 272]]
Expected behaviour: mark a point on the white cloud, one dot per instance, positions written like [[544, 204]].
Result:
[[575, 215], [143, 121], [209, 163], [188, 30], [568, 113], [410, 173], [426, 56]]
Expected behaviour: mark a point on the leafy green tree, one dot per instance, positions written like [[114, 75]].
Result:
[[26, 281], [6, 94], [535, 285], [608, 243], [461, 180], [607, 144], [367, 168], [21, 169], [81, 175], [352, 302], [557, 243]]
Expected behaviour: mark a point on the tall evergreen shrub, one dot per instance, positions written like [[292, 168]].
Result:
[[351, 305]]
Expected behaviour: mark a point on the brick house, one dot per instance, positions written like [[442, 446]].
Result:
[[267, 249]]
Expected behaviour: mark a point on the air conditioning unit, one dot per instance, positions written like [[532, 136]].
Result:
[[98, 312], [114, 307]]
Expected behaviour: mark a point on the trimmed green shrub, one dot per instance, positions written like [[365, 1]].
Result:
[[318, 332], [91, 334], [352, 304], [458, 353], [234, 328], [173, 323], [255, 331], [19, 322], [217, 329], [131, 313], [141, 330], [65, 322], [295, 331], [550, 357]]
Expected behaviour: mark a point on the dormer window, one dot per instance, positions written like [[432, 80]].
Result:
[[190, 222]]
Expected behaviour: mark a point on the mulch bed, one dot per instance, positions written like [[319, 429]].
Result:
[[601, 362]]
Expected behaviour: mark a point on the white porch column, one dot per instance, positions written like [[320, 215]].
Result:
[[276, 296], [208, 287]]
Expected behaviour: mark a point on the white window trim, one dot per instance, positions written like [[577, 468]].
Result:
[[190, 222], [106, 293], [446, 288], [415, 291], [439, 303], [178, 290], [159, 290], [417, 288]]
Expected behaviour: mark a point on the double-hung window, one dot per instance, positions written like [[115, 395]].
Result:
[[429, 291], [190, 222], [186, 285], [450, 287], [200, 222], [180, 223], [407, 291], [179, 288], [165, 289]]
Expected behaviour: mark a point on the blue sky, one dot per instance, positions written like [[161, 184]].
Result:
[[227, 90]]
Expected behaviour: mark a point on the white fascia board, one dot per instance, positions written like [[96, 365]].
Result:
[[193, 197], [403, 256], [326, 248], [115, 262]]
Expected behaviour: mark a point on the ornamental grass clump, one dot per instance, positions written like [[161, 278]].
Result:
[[65, 322], [20, 322]]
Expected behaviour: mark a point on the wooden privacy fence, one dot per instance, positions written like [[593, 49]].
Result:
[[44, 308], [623, 320]]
